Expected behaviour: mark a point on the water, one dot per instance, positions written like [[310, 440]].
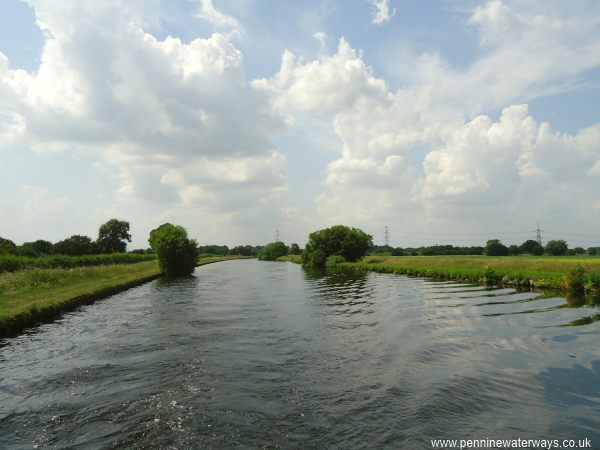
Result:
[[251, 354]]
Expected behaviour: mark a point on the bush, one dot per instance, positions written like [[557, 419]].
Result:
[[272, 251], [176, 253], [350, 243], [334, 260], [490, 276], [574, 281]]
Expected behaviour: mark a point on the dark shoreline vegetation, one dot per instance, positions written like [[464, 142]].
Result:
[[33, 296]]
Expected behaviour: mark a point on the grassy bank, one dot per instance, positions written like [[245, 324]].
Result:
[[32, 295], [12, 263], [291, 258], [547, 272]]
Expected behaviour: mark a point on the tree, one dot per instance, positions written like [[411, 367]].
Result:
[[556, 247], [592, 251], [351, 243], [74, 246], [36, 248], [495, 248], [273, 251], [398, 251], [532, 247], [176, 253], [514, 250], [7, 246], [295, 249], [113, 236]]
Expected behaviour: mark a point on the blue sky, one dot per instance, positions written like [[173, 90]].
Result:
[[449, 122]]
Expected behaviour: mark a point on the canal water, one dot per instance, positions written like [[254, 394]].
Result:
[[249, 354]]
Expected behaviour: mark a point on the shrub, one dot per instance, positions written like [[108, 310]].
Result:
[[574, 281], [272, 251], [334, 260], [490, 276], [176, 253], [351, 243]]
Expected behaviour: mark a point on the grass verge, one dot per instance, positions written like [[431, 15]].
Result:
[[544, 272], [31, 296]]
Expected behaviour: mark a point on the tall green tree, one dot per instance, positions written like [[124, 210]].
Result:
[[113, 236], [495, 248], [177, 254], [557, 247], [532, 247], [350, 243], [295, 249], [7, 246]]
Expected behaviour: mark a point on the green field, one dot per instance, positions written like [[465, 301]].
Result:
[[26, 294], [543, 271]]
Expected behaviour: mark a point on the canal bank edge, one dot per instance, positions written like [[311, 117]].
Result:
[[519, 275], [13, 326]]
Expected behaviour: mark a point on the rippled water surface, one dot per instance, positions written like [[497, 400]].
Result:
[[250, 354]]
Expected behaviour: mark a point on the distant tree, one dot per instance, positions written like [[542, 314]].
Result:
[[7, 246], [592, 251], [74, 246], [351, 243], [579, 250], [36, 248], [514, 250], [272, 251], [495, 248], [295, 249], [113, 236], [243, 250], [532, 247], [381, 250], [557, 247], [176, 253], [219, 250], [398, 251]]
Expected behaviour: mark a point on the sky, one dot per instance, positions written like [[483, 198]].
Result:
[[449, 122]]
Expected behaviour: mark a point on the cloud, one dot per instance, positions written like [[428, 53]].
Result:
[[412, 152], [177, 121], [381, 11], [216, 18]]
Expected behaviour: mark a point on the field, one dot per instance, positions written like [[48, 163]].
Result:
[[31, 293], [543, 271]]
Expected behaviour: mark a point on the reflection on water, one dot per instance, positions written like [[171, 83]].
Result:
[[249, 354]]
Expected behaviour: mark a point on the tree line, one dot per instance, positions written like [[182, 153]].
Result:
[[493, 247], [113, 237]]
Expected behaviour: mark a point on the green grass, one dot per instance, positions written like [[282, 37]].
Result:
[[291, 258], [28, 293], [12, 263], [544, 271]]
